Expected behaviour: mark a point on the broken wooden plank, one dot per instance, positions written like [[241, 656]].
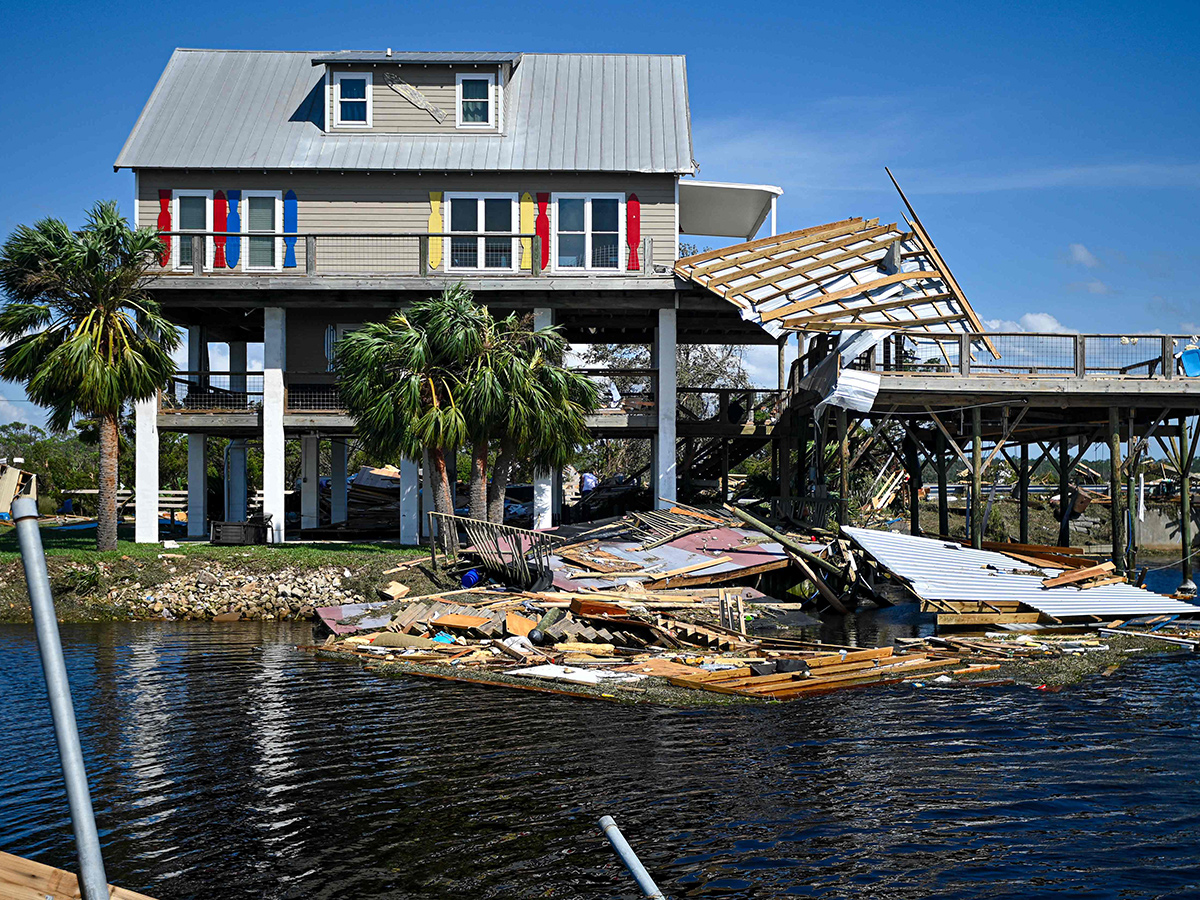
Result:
[[1076, 575]]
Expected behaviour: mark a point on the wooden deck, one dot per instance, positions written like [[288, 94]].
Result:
[[24, 879]]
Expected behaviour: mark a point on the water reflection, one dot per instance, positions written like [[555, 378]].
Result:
[[226, 762]]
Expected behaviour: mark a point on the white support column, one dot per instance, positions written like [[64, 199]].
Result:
[[543, 481], [310, 481], [410, 503], [274, 363], [664, 441], [197, 524], [146, 489], [427, 501], [338, 490], [774, 202]]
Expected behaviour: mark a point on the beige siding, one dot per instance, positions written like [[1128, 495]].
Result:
[[392, 113], [359, 202]]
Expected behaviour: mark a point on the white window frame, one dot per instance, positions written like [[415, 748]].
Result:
[[337, 99], [587, 267], [208, 226], [244, 249], [493, 99], [480, 196]]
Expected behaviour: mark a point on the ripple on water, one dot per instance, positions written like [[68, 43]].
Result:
[[224, 760]]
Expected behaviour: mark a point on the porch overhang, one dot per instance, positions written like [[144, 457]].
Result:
[[724, 209]]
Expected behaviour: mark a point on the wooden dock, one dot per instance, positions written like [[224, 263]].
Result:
[[24, 879]]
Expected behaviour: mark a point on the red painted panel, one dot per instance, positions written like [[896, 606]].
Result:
[[633, 230], [164, 224], [541, 227], [220, 221]]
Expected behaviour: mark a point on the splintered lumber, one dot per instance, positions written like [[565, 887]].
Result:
[[457, 622], [394, 591], [785, 541], [1101, 582], [1077, 575], [823, 589], [24, 879], [986, 618], [682, 570], [518, 624]]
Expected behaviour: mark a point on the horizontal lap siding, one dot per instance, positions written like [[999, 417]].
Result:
[[393, 114], [357, 202]]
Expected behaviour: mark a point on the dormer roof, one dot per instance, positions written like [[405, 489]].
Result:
[[569, 112]]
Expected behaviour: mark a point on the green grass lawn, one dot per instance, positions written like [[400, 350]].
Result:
[[79, 545]]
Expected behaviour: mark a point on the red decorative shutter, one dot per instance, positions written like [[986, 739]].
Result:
[[542, 228], [164, 224], [633, 230], [220, 223]]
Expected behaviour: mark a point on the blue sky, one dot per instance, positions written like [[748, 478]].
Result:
[[1051, 151]]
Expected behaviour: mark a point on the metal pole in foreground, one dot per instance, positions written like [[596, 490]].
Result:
[[92, 879], [632, 863]]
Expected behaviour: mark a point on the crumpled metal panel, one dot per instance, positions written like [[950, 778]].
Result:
[[937, 570]]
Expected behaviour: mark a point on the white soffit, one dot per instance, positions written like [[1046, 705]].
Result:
[[724, 209]]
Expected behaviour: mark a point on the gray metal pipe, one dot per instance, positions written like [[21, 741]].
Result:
[[92, 879], [632, 863]]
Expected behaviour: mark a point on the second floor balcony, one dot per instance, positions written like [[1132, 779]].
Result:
[[451, 255]]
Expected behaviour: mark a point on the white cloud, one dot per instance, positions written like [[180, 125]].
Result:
[[21, 411], [1037, 323], [1094, 286], [1083, 256]]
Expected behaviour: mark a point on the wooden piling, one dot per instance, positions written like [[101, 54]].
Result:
[[977, 523], [943, 498], [1116, 516], [843, 468], [1023, 494], [1185, 501], [912, 463], [1064, 493]]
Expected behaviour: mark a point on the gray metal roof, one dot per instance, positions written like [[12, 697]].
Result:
[[238, 109], [415, 56], [937, 570]]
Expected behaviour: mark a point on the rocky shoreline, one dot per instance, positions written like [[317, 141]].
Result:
[[175, 587]]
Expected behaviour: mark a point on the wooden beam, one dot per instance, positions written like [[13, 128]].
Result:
[[886, 280], [814, 262], [701, 264], [878, 307], [949, 438]]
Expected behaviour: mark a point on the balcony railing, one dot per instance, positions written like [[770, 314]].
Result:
[[362, 254], [1024, 353], [213, 392], [730, 406]]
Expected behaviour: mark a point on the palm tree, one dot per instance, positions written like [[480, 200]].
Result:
[[400, 382], [546, 421], [84, 335], [446, 373]]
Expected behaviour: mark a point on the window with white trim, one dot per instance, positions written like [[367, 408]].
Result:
[[476, 100], [352, 99], [263, 214], [589, 231], [193, 212], [487, 213]]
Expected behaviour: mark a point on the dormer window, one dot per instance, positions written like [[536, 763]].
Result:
[[476, 101], [352, 99]]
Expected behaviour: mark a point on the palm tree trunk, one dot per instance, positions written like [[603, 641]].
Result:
[[441, 495], [106, 517], [499, 486], [479, 498]]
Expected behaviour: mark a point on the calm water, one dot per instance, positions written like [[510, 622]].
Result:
[[226, 764]]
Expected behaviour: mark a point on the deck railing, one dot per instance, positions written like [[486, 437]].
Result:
[[215, 392], [1028, 353], [465, 254]]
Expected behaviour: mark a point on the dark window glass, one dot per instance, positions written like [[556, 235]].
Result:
[[604, 251], [571, 251], [193, 216], [604, 215], [464, 253], [570, 215], [353, 88], [464, 214], [497, 215]]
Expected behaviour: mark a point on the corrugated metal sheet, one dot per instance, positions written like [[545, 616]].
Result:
[[937, 570], [226, 109]]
